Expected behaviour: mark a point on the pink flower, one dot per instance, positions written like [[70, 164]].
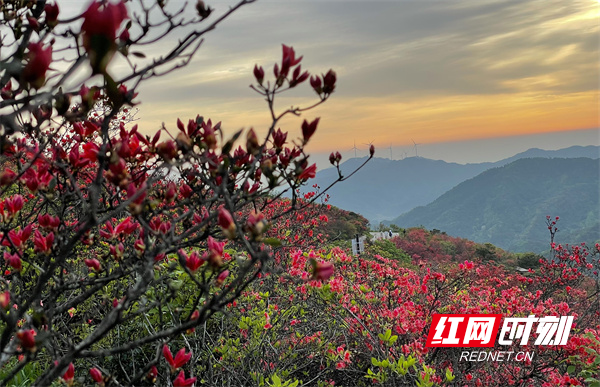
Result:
[[181, 358], [323, 270], [39, 62], [13, 260], [5, 299], [290, 56], [279, 138], [226, 222], [181, 381], [92, 264], [315, 82], [308, 173], [69, 375], [99, 29], [43, 244], [27, 339], [7, 176], [221, 277], [193, 261], [103, 20], [97, 376], [215, 252]]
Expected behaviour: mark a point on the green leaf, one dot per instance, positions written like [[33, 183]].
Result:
[[571, 369], [593, 382], [273, 242], [276, 380]]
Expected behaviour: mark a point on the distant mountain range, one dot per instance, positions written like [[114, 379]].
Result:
[[385, 188], [507, 206]]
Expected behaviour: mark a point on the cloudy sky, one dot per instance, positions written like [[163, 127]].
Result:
[[467, 80]]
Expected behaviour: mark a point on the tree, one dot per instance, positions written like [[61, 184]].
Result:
[[113, 242]]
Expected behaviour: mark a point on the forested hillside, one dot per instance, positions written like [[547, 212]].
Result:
[[507, 206]]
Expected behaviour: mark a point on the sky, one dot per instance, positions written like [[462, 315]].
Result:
[[467, 81]]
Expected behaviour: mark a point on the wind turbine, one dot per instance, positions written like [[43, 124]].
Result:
[[416, 152], [369, 144], [391, 158], [355, 148]]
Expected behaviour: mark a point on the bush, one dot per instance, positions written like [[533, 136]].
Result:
[[115, 243]]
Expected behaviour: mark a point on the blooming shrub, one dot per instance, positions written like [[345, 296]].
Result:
[[368, 322], [172, 258], [113, 242]]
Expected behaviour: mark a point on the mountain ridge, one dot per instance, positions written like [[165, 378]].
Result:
[[384, 188], [507, 205]]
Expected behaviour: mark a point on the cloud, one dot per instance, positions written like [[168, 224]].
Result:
[[451, 68]]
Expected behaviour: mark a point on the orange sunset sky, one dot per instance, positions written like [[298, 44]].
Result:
[[433, 71]]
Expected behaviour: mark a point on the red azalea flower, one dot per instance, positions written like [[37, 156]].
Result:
[[103, 20], [69, 375], [13, 260], [222, 277], [226, 223], [5, 299], [99, 30], [92, 264], [323, 270], [194, 261], [181, 358], [39, 62], [97, 376], [27, 339], [181, 381], [51, 14], [308, 173]]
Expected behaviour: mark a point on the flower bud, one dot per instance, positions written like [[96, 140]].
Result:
[[315, 82], [329, 82], [259, 74], [279, 138], [69, 375], [203, 10], [252, 145], [27, 339], [97, 376], [51, 14], [309, 129], [222, 277], [226, 222], [5, 299]]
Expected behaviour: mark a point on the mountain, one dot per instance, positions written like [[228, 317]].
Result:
[[386, 188], [590, 151], [507, 206]]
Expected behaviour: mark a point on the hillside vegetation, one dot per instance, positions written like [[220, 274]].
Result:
[[507, 206]]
